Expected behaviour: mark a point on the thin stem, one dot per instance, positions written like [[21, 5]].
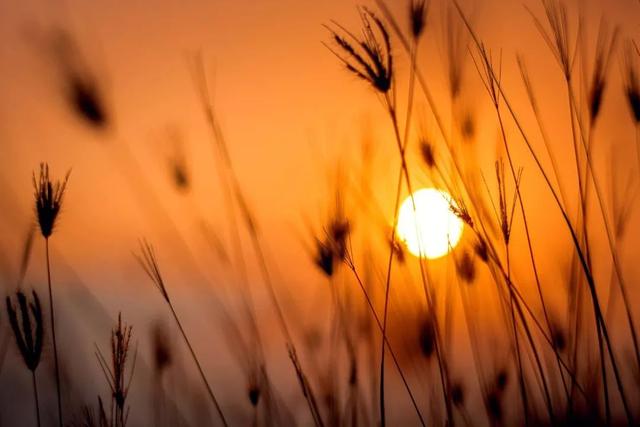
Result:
[[53, 332], [523, 389], [35, 394], [197, 362], [393, 229], [231, 186], [583, 260], [405, 170], [386, 341], [604, 377], [386, 297], [638, 144]]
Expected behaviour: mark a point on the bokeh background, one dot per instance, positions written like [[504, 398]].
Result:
[[294, 121]]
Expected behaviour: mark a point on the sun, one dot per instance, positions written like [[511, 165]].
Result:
[[432, 229]]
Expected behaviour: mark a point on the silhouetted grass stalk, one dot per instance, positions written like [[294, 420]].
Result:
[[53, 334], [583, 260], [148, 262], [232, 186], [350, 263]]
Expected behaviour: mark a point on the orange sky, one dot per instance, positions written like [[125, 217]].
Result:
[[289, 110]]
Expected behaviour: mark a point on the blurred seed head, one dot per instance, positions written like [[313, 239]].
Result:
[[457, 394], [501, 380], [398, 250], [604, 48], [83, 93], [177, 163], [324, 257], [456, 48], [465, 267], [254, 395], [254, 387], [48, 197], [86, 100], [418, 10], [338, 233], [481, 250], [468, 127], [28, 328], [427, 336], [631, 82], [426, 151], [331, 248], [558, 336], [493, 404], [162, 352]]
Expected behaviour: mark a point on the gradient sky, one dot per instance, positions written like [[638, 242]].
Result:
[[290, 112]]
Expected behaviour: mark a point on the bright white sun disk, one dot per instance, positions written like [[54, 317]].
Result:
[[432, 229]]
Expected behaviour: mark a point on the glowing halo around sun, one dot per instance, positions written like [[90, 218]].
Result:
[[432, 230]]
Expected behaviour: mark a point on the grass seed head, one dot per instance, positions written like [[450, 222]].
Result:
[[427, 154], [427, 336], [465, 267], [631, 82], [49, 196], [86, 100], [457, 394], [29, 337], [369, 58], [481, 250], [418, 10], [162, 352]]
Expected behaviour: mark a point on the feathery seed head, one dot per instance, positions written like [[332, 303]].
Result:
[[459, 209], [148, 262], [368, 58], [28, 340], [115, 372], [48, 197]]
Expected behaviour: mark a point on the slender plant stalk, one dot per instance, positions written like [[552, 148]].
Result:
[[35, 395], [352, 267], [405, 171], [527, 234], [637, 129], [523, 389], [197, 362], [583, 260], [232, 186], [53, 333], [386, 300]]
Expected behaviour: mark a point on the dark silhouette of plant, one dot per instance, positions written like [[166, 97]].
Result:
[[29, 336], [149, 264], [115, 372], [49, 196]]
